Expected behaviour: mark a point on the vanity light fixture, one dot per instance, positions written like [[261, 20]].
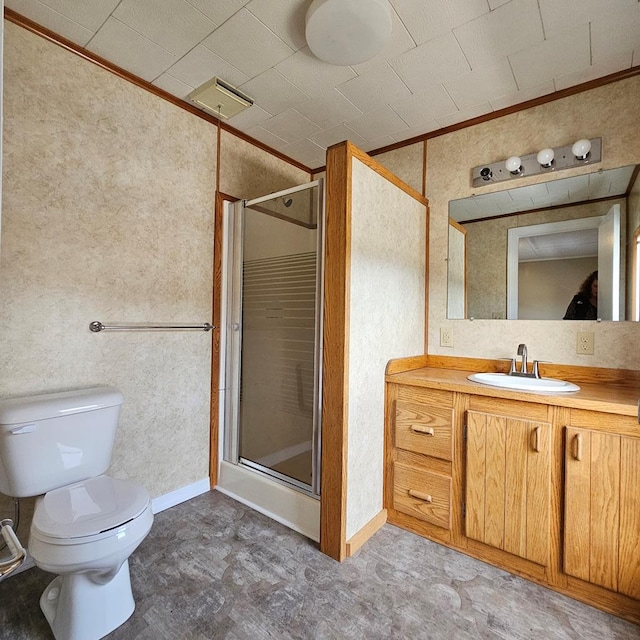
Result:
[[546, 160]]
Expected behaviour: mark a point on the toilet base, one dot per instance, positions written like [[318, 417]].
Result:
[[77, 608]]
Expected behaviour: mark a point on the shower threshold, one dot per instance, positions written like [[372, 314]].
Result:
[[281, 477]]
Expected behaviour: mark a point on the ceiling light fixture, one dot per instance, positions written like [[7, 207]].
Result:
[[545, 161], [345, 32]]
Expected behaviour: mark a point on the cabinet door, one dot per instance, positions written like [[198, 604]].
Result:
[[508, 492], [602, 509]]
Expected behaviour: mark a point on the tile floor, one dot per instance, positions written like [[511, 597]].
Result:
[[212, 568]]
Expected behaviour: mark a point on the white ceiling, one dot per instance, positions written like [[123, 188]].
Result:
[[448, 60]]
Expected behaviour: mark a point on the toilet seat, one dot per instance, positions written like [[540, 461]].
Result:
[[88, 510]]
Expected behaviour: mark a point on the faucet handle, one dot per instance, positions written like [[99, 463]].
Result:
[[536, 371], [512, 366]]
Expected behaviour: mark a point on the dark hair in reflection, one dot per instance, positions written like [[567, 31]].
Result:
[[585, 287]]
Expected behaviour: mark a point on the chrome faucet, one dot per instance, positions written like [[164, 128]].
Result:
[[522, 351], [524, 368]]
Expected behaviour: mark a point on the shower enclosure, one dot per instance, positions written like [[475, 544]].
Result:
[[273, 337]]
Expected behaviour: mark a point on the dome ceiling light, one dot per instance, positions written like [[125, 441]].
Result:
[[345, 32]]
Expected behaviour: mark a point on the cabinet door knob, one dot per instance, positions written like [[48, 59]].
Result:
[[427, 431], [420, 495], [578, 447]]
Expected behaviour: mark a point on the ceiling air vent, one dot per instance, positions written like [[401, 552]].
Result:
[[220, 99]]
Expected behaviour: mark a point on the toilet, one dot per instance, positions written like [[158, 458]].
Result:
[[57, 446]]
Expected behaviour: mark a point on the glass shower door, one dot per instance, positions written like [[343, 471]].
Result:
[[276, 315]]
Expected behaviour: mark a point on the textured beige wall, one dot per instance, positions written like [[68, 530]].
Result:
[[107, 215], [611, 112], [246, 171], [406, 163], [386, 320]]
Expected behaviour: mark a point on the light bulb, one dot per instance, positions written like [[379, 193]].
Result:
[[545, 158], [581, 149], [514, 165]]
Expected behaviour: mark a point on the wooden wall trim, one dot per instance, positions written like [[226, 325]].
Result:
[[400, 365], [72, 47], [214, 438], [374, 165], [424, 168], [335, 365], [369, 529]]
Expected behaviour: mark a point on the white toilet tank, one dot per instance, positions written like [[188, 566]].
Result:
[[54, 439]]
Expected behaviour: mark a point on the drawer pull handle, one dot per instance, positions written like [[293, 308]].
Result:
[[536, 439], [420, 495], [427, 431], [578, 446]]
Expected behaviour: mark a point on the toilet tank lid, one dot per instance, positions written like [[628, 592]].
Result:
[[55, 405]]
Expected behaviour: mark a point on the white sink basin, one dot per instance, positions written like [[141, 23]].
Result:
[[523, 384]]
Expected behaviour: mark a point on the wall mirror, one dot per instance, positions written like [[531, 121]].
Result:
[[523, 253]]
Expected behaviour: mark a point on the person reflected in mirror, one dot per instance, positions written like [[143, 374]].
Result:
[[584, 305]]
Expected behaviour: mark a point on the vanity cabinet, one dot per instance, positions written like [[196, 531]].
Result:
[[508, 483], [602, 509], [546, 487]]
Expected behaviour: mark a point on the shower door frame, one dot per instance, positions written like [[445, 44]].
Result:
[[234, 253]]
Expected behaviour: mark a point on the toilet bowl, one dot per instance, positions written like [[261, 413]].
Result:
[[85, 533], [85, 525]]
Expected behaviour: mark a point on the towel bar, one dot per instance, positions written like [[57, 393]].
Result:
[[97, 326]]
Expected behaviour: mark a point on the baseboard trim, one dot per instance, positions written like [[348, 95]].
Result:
[[358, 539], [171, 499]]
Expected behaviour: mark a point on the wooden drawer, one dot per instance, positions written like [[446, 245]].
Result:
[[422, 494], [425, 429]]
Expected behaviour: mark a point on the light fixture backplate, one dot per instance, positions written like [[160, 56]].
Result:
[[563, 159]]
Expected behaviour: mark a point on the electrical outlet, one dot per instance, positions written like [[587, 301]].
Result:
[[446, 337], [584, 344]]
